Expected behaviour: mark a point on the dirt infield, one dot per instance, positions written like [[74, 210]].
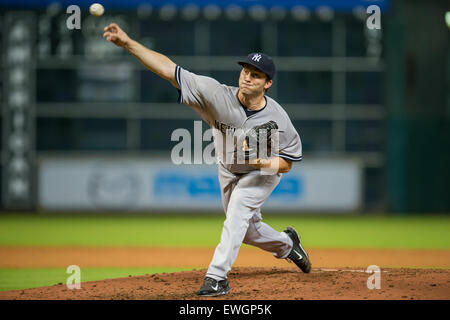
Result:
[[259, 283], [48, 257], [336, 274]]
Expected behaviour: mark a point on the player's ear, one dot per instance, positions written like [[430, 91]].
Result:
[[268, 84]]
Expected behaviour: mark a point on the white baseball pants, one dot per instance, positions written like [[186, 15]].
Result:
[[242, 198]]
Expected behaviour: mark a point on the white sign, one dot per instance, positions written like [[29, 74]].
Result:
[[138, 184]]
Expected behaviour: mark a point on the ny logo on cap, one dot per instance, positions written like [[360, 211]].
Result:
[[256, 57]]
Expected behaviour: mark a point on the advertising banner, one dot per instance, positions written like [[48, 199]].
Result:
[[146, 184]]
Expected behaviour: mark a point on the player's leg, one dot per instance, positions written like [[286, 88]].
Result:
[[233, 231], [217, 285], [283, 245], [246, 199], [263, 236], [227, 182]]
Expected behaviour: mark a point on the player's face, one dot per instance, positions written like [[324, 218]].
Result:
[[253, 81]]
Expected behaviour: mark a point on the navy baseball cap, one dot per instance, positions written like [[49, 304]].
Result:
[[260, 61]]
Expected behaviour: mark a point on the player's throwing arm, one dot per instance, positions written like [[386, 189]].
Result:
[[154, 61]]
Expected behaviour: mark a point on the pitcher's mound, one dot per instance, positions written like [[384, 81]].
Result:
[[260, 284]]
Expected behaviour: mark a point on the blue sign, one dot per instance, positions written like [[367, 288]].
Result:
[[289, 188], [205, 186], [185, 185]]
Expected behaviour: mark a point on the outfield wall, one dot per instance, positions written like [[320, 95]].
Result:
[[66, 184]]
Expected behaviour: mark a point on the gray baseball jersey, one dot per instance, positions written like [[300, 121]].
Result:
[[220, 107], [243, 188]]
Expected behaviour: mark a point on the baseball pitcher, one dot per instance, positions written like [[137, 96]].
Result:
[[264, 144]]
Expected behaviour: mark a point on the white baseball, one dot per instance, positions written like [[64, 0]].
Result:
[[96, 9]]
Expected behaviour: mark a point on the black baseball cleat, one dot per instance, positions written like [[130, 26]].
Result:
[[213, 288], [298, 255]]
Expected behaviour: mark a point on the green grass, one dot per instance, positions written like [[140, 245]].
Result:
[[414, 232], [424, 231], [109, 231], [15, 279]]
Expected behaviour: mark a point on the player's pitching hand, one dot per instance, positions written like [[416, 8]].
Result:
[[114, 34]]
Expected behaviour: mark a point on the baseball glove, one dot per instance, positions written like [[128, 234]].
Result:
[[257, 134]]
